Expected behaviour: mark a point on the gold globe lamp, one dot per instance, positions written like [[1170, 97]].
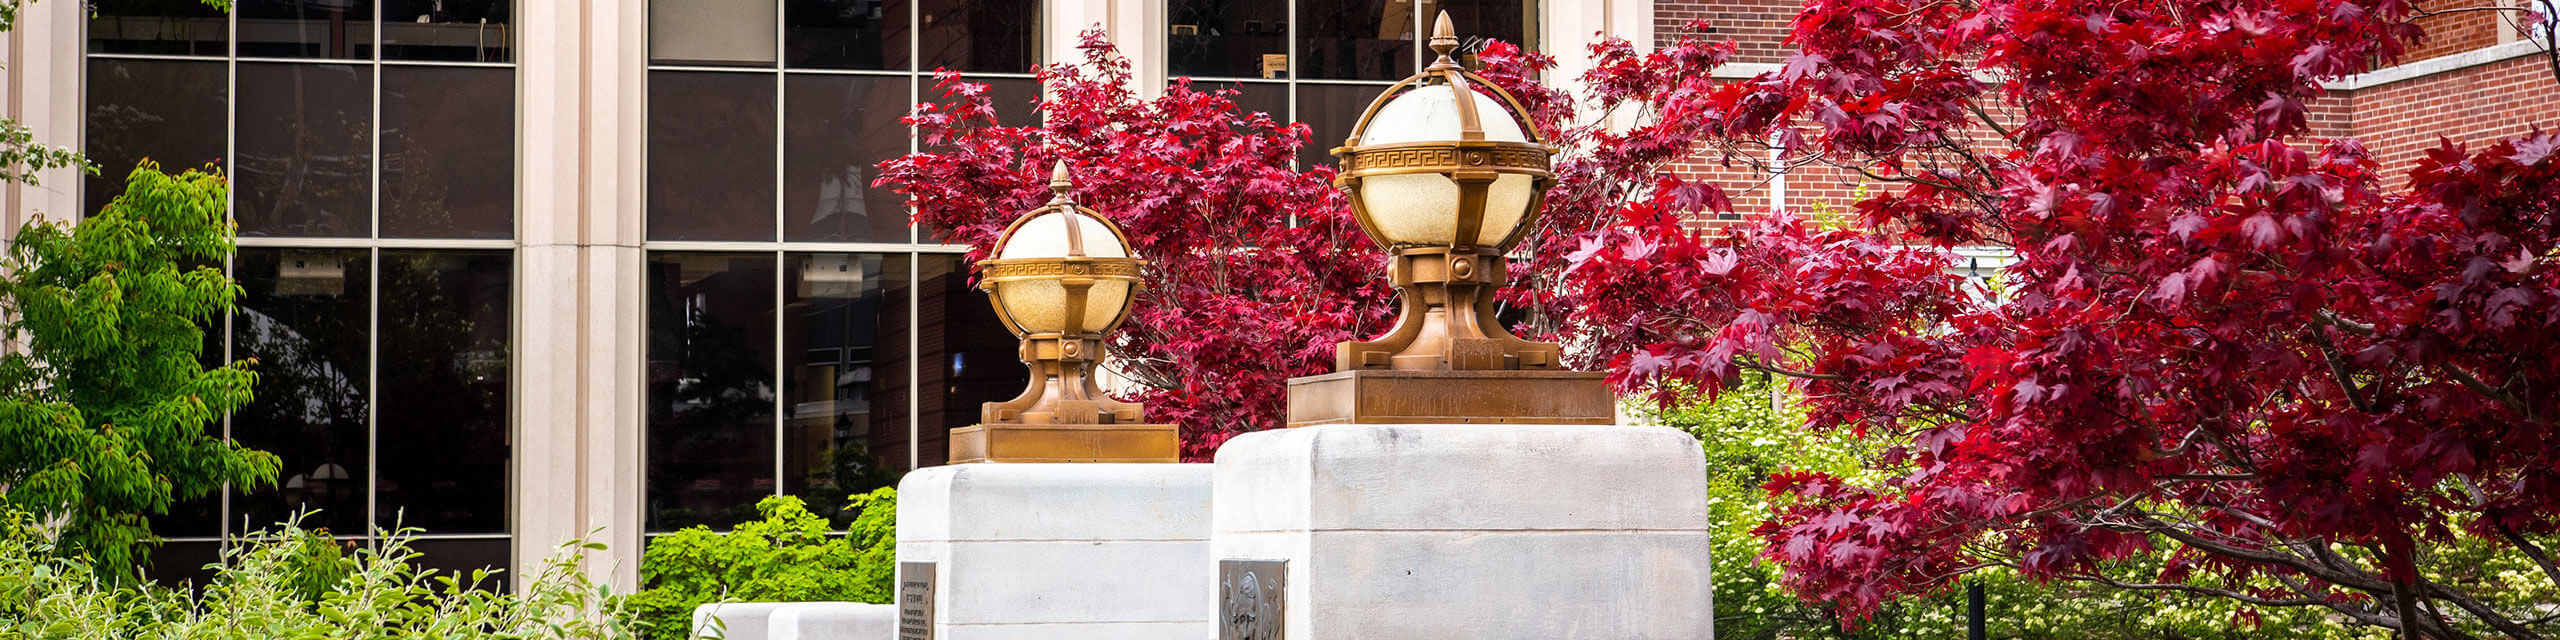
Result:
[[1445, 173], [1061, 278]]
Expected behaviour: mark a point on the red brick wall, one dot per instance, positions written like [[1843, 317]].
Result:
[[2398, 122], [2457, 31], [1758, 28]]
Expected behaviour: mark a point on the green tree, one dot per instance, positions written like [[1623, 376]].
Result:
[[788, 556], [103, 413]]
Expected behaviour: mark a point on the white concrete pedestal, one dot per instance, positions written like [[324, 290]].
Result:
[[1483, 532], [1059, 551]]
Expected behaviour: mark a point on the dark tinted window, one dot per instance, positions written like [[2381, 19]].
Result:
[[839, 325], [462, 30], [448, 152], [1228, 38], [710, 387], [442, 428], [305, 164], [341, 29], [1355, 39], [836, 131], [164, 27], [979, 35], [711, 164], [305, 319], [845, 34], [170, 112]]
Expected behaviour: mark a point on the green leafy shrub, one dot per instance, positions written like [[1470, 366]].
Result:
[[296, 584], [788, 556], [1749, 434], [103, 413]]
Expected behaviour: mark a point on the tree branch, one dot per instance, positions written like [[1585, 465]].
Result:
[[2540, 558]]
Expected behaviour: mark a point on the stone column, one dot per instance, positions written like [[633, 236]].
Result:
[[578, 404], [1339, 532], [41, 91], [1061, 551]]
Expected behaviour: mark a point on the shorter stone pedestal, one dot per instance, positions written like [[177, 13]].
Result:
[[1484, 532], [1055, 552]]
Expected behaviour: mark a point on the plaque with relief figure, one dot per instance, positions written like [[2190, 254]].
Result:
[[1251, 595]]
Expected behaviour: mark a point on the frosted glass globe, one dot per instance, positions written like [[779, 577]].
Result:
[[1422, 208], [1039, 306]]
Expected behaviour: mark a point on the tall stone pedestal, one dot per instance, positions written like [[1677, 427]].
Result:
[[998, 551], [1483, 532]]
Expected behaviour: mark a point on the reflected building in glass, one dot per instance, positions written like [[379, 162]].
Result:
[[518, 272]]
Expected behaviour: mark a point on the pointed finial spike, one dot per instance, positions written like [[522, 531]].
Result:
[[1059, 182], [1444, 39]]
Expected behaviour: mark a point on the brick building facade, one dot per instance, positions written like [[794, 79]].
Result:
[[2478, 76]]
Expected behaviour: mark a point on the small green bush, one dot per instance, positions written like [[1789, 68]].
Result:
[[788, 556], [295, 584]]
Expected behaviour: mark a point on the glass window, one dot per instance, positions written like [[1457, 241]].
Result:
[[443, 391], [304, 319], [465, 555], [711, 173], [459, 30], [711, 452], [168, 111], [305, 151], [845, 34], [836, 131], [341, 29], [1331, 110], [711, 32], [178, 561], [966, 356], [1355, 39], [448, 152], [161, 27], [1228, 38], [839, 427], [1001, 36]]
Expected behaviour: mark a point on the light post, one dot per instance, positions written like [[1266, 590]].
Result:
[[1061, 278], [1445, 173]]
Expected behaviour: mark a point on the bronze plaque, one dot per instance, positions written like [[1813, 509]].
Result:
[[1252, 598], [915, 600]]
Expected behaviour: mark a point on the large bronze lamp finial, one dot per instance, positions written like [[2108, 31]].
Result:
[[1446, 173], [1062, 277]]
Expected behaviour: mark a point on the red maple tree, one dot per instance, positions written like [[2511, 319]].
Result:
[[2223, 341]]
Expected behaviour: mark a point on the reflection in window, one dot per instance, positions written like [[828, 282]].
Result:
[[836, 131], [161, 27], [168, 111], [443, 391], [1330, 110], [711, 172], [463, 30], [844, 426], [1228, 38], [710, 387], [845, 34], [968, 358], [304, 319], [448, 152], [711, 32], [340, 29], [1355, 39], [999, 36], [305, 166]]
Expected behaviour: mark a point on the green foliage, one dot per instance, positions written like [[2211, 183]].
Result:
[[1747, 437], [265, 588], [788, 556], [103, 414]]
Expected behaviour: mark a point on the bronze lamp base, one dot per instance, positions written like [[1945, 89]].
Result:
[[1382, 396], [1003, 442]]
